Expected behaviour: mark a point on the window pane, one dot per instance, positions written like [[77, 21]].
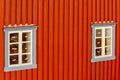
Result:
[[98, 52], [107, 32], [26, 58], [25, 47], [13, 37], [98, 32], [26, 36], [14, 48], [107, 41], [98, 42], [13, 59], [107, 51]]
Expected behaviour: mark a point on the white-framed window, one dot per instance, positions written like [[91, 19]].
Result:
[[103, 42], [20, 48]]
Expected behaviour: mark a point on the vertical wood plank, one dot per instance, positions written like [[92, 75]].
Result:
[[7, 22], [40, 40], [80, 66], [94, 19], [19, 11], [56, 25], [66, 40], [118, 39], [71, 39], [61, 55], [85, 41], [2, 75], [29, 11], [45, 41], [75, 56], [51, 20], [89, 40]]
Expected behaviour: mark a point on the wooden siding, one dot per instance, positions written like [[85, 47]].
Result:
[[64, 41]]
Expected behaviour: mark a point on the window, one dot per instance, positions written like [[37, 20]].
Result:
[[20, 48], [103, 42]]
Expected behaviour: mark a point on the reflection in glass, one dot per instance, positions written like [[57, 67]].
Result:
[[13, 48], [26, 58], [13, 37], [25, 47], [98, 42], [98, 32], [26, 36], [107, 51], [13, 59], [107, 41], [107, 32], [98, 52]]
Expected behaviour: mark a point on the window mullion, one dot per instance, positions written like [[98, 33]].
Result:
[[103, 42], [20, 47]]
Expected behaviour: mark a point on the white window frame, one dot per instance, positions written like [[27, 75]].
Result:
[[20, 65], [103, 27]]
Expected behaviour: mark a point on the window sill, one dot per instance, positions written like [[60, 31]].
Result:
[[103, 59], [7, 69]]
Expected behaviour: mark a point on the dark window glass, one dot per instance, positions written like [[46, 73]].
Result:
[[25, 47], [13, 37], [13, 48], [98, 33], [98, 52], [98, 42], [13, 59], [26, 58], [26, 36]]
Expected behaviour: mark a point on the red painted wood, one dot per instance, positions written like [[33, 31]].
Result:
[[51, 54], [71, 39], [75, 56], [80, 59], [56, 25], [61, 48], [64, 38], [89, 40], [40, 40]]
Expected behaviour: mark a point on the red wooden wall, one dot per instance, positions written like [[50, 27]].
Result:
[[63, 38]]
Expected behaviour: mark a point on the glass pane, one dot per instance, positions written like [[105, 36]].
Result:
[[25, 47], [13, 48], [26, 58], [98, 42], [26, 36], [13, 37], [107, 41], [13, 59], [107, 51], [98, 52], [107, 32], [98, 32]]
